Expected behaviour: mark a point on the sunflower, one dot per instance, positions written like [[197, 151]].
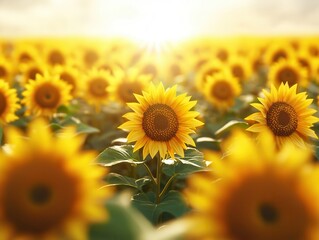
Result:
[[30, 70], [25, 53], [161, 122], [221, 90], [8, 103], [55, 55], [286, 114], [44, 192], [97, 87], [69, 75], [6, 70], [45, 94], [128, 83], [287, 71], [240, 68], [278, 51], [208, 69], [255, 193]]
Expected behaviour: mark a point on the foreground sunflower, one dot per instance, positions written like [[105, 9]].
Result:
[[221, 90], [260, 194], [286, 114], [45, 94], [44, 191], [8, 103], [161, 122]]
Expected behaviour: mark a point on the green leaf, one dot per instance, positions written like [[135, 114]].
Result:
[[124, 222], [114, 179], [229, 126], [172, 204], [193, 161], [81, 128], [118, 154]]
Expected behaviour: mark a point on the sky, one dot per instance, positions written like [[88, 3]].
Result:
[[165, 19]]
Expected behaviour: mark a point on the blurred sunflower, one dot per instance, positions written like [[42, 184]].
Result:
[[161, 122], [8, 103], [277, 51], [44, 192], [240, 68], [55, 55], [97, 87], [70, 75], [287, 71], [305, 60], [30, 70], [127, 83], [45, 94], [25, 53], [208, 69], [260, 194], [286, 114], [6, 70], [221, 90]]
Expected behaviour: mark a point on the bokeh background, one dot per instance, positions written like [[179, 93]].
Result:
[[164, 20]]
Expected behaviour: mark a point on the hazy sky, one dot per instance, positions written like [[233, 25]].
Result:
[[166, 18]]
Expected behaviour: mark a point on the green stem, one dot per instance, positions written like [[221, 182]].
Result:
[[150, 173], [167, 185], [158, 178]]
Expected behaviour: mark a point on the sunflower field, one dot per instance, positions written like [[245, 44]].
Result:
[[212, 138]]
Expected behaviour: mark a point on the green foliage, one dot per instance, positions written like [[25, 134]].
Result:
[[172, 204], [123, 222], [192, 162], [118, 154]]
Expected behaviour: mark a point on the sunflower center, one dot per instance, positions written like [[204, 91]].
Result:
[[282, 119], [32, 73], [175, 70], [288, 75], [3, 103], [222, 90], [90, 58], [238, 71], [40, 194], [47, 96], [268, 213], [126, 90], [56, 57], [25, 57], [160, 122], [150, 69], [66, 77], [3, 72], [278, 55], [98, 87]]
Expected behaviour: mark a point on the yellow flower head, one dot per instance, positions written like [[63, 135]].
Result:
[[70, 75], [127, 83], [6, 70], [161, 122], [30, 70], [45, 94], [286, 114], [208, 69], [255, 192], [49, 188], [97, 87], [287, 71], [8, 103], [221, 90], [240, 68], [278, 51]]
